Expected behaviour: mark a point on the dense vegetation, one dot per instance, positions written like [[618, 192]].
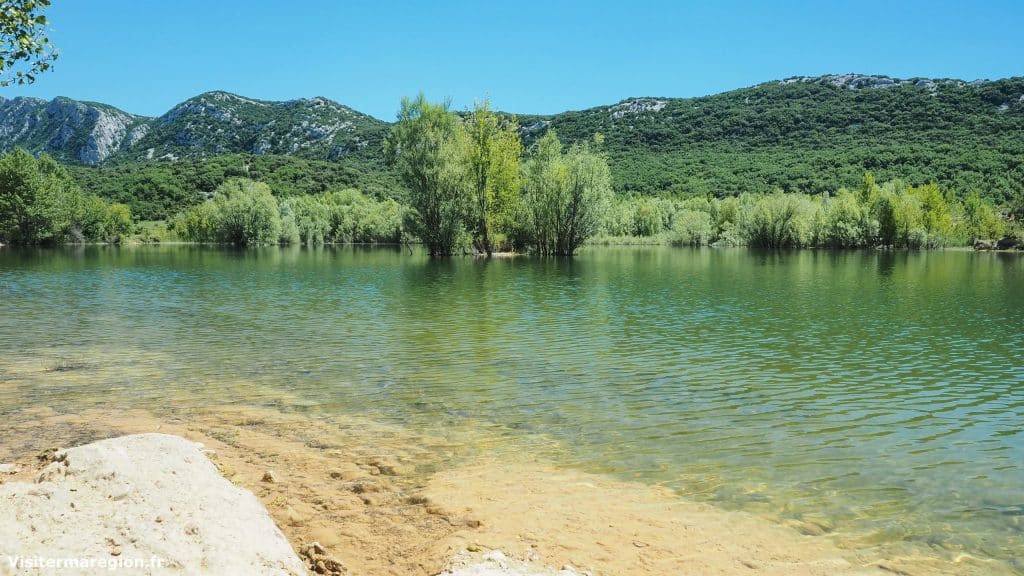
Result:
[[159, 190], [894, 215], [40, 203], [464, 180], [811, 136], [779, 164], [244, 212]]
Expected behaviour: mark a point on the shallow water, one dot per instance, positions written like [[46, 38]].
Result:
[[875, 397]]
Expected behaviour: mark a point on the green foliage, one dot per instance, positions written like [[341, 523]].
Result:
[[778, 221], [23, 41], [691, 228], [245, 213], [40, 203], [889, 215], [979, 220], [847, 222], [811, 137], [312, 219], [355, 218], [242, 212], [566, 195], [158, 191], [494, 155], [430, 149]]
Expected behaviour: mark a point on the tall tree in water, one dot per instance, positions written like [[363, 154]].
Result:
[[566, 195], [429, 148], [494, 155]]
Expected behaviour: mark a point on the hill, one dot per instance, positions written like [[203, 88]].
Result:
[[812, 134], [807, 134]]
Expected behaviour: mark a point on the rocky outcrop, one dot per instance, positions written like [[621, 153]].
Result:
[[1007, 243], [140, 504], [866, 81], [68, 129]]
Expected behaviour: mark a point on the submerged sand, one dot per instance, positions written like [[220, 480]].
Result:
[[383, 500]]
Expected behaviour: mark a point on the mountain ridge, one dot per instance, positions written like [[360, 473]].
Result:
[[802, 133]]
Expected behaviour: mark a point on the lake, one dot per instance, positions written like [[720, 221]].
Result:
[[874, 397]]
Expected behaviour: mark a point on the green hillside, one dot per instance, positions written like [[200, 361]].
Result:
[[807, 135], [812, 135]]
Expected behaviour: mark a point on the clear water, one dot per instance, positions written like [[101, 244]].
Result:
[[879, 394]]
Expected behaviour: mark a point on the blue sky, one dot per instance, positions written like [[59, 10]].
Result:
[[144, 56]]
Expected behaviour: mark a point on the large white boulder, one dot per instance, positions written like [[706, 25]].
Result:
[[139, 504]]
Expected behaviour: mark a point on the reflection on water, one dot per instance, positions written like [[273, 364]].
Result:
[[875, 396]]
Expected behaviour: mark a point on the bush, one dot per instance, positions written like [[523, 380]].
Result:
[[40, 203], [691, 228], [777, 221], [242, 212]]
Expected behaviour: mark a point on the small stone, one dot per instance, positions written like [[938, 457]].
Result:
[[270, 477], [317, 548], [294, 518], [9, 469]]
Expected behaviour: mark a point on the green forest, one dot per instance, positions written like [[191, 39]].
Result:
[[783, 164]]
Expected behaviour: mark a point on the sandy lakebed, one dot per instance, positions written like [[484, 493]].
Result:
[[382, 500]]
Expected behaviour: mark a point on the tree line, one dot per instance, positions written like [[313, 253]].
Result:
[[893, 214], [244, 212], [41, 204]]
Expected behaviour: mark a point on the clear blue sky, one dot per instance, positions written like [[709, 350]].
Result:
[[144, 56]]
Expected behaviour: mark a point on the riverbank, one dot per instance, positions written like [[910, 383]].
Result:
[[377, 499]]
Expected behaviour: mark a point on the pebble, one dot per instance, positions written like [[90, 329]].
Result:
[[270, 477]]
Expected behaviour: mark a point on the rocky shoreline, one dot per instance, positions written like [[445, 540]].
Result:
[[306, 497]]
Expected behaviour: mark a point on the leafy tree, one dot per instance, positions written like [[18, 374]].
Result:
[[430, 149], [40, 203], [23, 41], [312, 218], [494, 156], [692, 228], [888, 219], [566, 194], [845, 223], [777, 221], [26, 207], [248, 214], [979, 219], [242, 212]]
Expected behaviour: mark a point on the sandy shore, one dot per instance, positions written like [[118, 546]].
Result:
[[385, 501]]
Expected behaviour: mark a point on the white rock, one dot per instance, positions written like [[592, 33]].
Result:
[[496, 563], [145, 498]]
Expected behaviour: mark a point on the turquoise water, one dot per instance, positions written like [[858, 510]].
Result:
[[876, 395]]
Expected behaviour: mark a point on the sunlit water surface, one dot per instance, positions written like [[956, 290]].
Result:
[[878, 395]]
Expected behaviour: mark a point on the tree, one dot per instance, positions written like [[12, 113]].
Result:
[[26, 207], [23, 41], [494, 155], [888, 219], [248, 214], [567, 195], [429, 148]]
